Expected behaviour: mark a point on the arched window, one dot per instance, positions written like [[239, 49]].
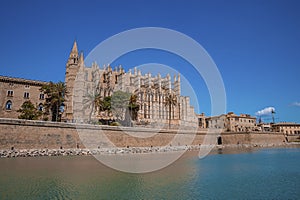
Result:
[[42, 96], [145, 111], [8, 105], [26, 95], [40, 107], [10, 93], [62, 108]]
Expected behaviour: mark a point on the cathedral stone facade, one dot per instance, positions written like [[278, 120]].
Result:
[[151, 92]]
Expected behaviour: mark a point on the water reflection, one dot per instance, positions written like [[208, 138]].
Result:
[[258, 174], [220, 151], [85, 177]]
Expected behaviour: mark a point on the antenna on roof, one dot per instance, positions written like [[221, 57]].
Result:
[[273, 119], [259, 120]]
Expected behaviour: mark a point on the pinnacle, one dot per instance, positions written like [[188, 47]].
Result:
[[74, 49], [81, 57]]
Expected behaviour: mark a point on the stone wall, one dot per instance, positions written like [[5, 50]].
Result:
[[293, 138], [253, 138], [24, 134]]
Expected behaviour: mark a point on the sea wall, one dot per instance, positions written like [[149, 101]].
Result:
[[253, 138], [25, 134]]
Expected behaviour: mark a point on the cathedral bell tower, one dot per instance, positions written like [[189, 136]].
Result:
[[73, 58], [72, 68]]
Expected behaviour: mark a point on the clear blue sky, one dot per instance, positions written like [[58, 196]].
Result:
[[255, 44]]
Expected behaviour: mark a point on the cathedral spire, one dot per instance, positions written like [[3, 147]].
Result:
[[73, 58], [74, 49]]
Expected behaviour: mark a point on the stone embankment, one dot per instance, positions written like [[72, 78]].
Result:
[[112, 151], [78, 152], [25, 138]]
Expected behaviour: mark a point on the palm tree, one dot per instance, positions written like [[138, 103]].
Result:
[[61, 89], [170, 102], [106, 105], [94, 102], [55, 96], [133, 107], [119, 104]]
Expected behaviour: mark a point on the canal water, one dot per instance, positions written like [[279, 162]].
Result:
[[251, 174]]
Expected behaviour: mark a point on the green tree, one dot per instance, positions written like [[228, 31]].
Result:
[[106, 105], [29, 111], [93, 102], [105, 108], [170, 102], [119, 103], [133, 107], [55, 93]]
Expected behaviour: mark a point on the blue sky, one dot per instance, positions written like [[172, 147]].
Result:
[[255, 44]]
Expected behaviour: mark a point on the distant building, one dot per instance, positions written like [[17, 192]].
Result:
[[242, 122], [264, 127], [218, 122], [287, 128], [229, 122], [15, 91], [202, 120]]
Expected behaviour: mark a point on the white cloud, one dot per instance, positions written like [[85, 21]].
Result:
[[296, 104], [265, 111]]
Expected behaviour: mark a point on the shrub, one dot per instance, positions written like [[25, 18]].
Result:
[[115, 124]]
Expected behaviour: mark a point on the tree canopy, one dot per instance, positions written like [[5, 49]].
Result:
[[93, 102], [55, 96], [171, 101], [119, 104], [133, 107], [29, 111]]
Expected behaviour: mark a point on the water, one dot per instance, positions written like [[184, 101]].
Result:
[[262, 174]]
